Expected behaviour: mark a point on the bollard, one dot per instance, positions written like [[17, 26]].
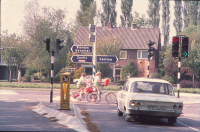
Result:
[[64, 91]]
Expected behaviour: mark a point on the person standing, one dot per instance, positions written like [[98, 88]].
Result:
[[81, 84], [19, 76]]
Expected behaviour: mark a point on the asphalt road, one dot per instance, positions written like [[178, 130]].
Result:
[[15, 115]]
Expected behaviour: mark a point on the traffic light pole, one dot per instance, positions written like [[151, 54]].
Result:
[[178, 80], [148, 68], [52, 75]]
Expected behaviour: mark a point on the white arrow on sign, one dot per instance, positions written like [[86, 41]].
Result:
[[65, 79]]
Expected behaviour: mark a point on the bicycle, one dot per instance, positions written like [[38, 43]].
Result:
[[110, 96], [74, 95]]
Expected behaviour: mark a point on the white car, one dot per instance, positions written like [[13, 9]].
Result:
[[148, 98], [87, 77]]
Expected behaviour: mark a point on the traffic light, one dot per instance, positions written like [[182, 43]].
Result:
[[184, 52], [150, 43], [175, 46], [92, 28], [47, 41], [58, 46]]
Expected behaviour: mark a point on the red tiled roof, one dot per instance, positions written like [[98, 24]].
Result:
[[132, 39]]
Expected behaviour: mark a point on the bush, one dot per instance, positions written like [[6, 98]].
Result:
[[78, 73], [186, 84], [189, 84], [155, 75], [129, 69], [28, 73], [169, 79]]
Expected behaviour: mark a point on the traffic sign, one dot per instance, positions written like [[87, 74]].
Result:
[[2, 48], [82, 58], [65, 78], [82, 48], [106, 59]]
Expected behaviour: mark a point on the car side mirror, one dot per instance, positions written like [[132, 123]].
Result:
[[120, 88]]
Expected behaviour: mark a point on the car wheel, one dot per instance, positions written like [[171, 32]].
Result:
[[172, 120], [119, 113], [128, 118]]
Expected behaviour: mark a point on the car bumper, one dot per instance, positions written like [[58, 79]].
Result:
[[153, 113]]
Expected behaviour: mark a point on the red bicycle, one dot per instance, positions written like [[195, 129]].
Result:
[[74, 95]]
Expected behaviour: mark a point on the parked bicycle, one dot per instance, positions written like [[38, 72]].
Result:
[[110, 96]]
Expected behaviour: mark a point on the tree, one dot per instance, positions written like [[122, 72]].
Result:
[[109, 14], [193, 60], [15, 51], [165, 21], [190, 12], [129, 69], [40, 24], [193, 12], [108, 46], [198, 18], [153, 12], [178, 21], [86, 15], [126, 8], [140, 21]]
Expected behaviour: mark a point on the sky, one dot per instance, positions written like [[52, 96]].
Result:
[[12, 12]]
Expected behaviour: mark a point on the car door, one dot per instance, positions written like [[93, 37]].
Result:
[[124, 95], [120, 97]]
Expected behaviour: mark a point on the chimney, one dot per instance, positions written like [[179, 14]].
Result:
[[108, 25], [134, 26]]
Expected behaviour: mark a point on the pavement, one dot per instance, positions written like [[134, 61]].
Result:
[[73, 119]]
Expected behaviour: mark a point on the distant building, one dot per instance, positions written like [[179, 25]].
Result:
[[134, 46]]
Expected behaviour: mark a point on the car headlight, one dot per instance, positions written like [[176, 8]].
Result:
[[132, 103], [180, 107]]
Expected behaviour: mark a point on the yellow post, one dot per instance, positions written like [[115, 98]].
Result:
[[64, 91]]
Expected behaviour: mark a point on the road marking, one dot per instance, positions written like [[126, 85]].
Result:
[[3, 99], [188, 126], [7, 92], [22, 99]]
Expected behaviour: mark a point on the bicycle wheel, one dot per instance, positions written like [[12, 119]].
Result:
[[92, 97], [74, 96], [110, 97]]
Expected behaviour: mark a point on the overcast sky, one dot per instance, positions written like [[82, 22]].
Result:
[[12, 12]]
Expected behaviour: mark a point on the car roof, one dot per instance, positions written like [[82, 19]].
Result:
[[134, 79]]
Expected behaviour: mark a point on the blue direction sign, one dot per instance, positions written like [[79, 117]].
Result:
[[107, 59], [82, 58], [82, 48], [1, 48]]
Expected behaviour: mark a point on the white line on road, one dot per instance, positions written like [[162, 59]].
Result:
[[188, 126], [23, 99]]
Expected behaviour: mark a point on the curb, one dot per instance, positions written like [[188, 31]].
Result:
[[73, 122]]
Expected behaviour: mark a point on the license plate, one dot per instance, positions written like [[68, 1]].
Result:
[[156, 107]]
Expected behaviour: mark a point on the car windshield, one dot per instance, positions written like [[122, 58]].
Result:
[[151, 87]]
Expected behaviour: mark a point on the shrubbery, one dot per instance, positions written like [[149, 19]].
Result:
[[129, 69], [189, 84], [169, 79]]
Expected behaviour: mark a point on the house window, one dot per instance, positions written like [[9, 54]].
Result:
[[123, 54], [142, 54]]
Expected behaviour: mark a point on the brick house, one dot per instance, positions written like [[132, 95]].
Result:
[[134, 46]]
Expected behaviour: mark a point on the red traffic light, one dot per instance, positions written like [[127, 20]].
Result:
[[175, 39]]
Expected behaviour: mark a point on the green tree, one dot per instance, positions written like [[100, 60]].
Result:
[[129, 69], [15, 51], [178, 21], [140, 21], [40, 24], [165, 21], [185, 13], [109, 14], [86, 15], [193, 60], [126, 8], [153, 12]]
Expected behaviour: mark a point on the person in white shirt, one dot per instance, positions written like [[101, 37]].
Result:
[[97, 82], [81, 84]]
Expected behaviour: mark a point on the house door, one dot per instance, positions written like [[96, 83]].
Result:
[[117, 74]]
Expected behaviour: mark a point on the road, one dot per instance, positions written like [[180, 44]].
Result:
[[16, 115]]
